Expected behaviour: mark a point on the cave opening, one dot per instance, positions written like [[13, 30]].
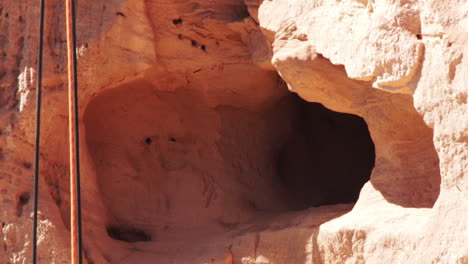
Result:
[[181, 166], [329, 157]]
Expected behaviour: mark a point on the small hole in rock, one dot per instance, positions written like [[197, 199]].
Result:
[[6, 15], [203, 47], [172, 139], [27, 165], [120, 14], [24, 198], [177, 21], [128, 234], [180, 36], [418, 36], [148, 141], [194, 43], [239, 13]]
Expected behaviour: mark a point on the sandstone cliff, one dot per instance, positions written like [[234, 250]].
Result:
[[242, 131]]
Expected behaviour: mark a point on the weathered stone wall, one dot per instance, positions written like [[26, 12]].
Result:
[[184, 114]]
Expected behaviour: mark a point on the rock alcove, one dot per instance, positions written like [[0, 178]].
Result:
[[207, 162], [167, 163]]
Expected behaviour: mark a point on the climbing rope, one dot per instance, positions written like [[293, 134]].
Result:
[[75, 190], [38, 130]]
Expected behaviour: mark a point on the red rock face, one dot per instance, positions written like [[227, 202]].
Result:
[[166, 164], [194, 149]]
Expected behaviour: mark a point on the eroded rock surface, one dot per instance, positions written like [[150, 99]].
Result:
[[231, 131]]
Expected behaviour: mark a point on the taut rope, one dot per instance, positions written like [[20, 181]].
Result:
[[38, 130], [75, 192]]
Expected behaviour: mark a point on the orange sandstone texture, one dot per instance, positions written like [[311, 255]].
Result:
[[230, 131]]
